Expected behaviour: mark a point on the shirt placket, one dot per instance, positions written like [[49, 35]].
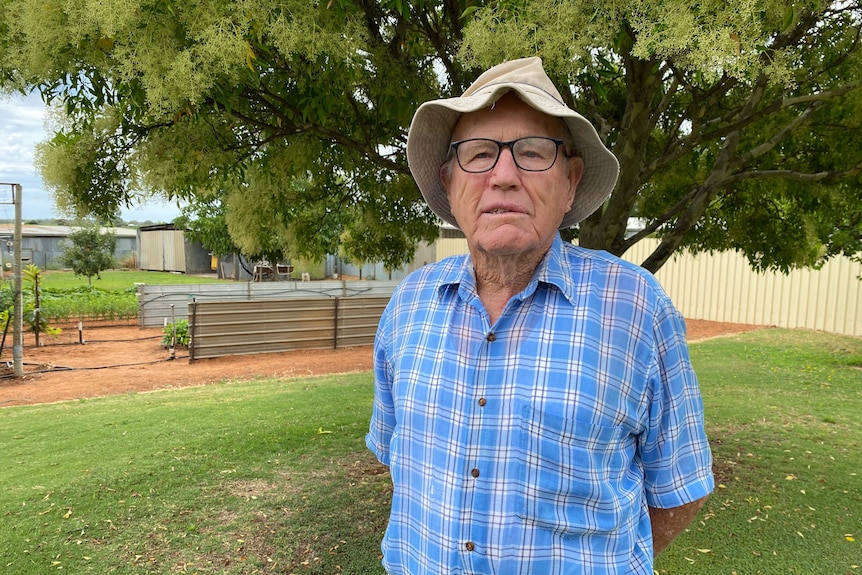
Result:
[[474, 533]]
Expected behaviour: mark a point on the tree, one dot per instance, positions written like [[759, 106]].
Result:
[[89, 251], [737, 125]]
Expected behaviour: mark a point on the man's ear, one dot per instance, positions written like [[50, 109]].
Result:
[[575, 173], [446, 174]]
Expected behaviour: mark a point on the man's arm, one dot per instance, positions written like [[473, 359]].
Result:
[[668, 523]]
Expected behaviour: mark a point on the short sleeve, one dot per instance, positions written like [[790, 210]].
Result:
[[674, 448], [383, 412]]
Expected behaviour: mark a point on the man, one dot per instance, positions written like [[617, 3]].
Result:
[[534, 401]]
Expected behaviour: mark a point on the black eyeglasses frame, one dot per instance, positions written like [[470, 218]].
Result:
[[453, 147]]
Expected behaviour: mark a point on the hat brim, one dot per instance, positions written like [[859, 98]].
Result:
[[431, 129]]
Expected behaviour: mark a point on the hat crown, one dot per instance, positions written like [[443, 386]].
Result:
[[527, 71]]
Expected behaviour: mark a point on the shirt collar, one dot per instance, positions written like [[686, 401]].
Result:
[[554, 269]]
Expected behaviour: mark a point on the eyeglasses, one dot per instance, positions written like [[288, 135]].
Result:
[[531, 154]]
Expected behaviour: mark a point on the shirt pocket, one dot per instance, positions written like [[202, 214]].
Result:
[[570, 475]]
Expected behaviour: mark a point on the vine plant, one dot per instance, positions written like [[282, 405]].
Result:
[[31, 276]]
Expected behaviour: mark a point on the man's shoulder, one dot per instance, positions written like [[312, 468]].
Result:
[[598, 269], [602, 261], [416, 293]]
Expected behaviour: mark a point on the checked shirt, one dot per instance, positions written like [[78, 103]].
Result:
[[534, 445]]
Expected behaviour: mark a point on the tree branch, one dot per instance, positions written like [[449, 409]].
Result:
[[793, 175], [770, 144], [666, 100], [818, 97], [661, 220]]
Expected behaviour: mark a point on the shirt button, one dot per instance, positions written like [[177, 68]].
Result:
[[469, 546], [482, 402], [492, 337], [474, 472]]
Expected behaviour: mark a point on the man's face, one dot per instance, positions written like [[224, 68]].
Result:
[[509, 211]]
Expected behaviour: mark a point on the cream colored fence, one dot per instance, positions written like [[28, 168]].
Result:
[[723, 287]]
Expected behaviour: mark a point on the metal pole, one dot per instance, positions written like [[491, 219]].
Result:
[[193, 308], [335, 324], [36, 313], [173, 334], [18, 341]]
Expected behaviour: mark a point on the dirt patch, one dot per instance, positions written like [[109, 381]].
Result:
[[117, 360]]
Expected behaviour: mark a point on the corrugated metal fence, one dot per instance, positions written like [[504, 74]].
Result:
[[220, 328], [155, 301], [723, 287]]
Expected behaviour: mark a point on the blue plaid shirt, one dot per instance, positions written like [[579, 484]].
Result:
[[534, 445]]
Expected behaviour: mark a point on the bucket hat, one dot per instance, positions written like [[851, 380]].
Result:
[[430, 134]]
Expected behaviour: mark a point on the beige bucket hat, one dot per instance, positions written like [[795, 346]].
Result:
[[431, 129]]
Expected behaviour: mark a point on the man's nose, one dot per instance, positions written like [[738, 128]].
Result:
[[506, 169]]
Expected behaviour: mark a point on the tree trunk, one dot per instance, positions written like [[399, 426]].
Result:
[[606, 228]]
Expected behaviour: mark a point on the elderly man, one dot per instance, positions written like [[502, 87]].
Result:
[[534, 401]]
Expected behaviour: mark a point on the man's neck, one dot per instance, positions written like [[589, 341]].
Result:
[[498, 278]]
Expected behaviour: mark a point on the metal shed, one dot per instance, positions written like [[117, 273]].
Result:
[[42, 245], [164, 248]]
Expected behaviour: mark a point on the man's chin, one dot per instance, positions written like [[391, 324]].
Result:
[[505, 241]]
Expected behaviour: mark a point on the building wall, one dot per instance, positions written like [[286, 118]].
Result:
[[425, 254], [161, 250], [43, 245], [198, 259]]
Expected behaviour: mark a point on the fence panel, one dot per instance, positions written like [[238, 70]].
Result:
[[220, 328], [154, 301], [723, 287], [357, 320]]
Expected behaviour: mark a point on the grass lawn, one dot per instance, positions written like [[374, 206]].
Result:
[[118, 280], [784, 417], [269, 476], [272, 476]]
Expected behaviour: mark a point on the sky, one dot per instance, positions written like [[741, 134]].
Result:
[[22, 126]]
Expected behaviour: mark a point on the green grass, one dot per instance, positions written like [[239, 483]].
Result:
[[117, 280], [231, 478], [273, 476], [784, 417]]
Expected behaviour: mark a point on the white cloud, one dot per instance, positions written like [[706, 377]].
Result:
[[22, 126]]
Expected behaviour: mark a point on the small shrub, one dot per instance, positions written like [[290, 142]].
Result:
[[182, 334]]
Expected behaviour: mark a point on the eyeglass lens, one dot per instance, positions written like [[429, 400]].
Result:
[[534, 154]]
